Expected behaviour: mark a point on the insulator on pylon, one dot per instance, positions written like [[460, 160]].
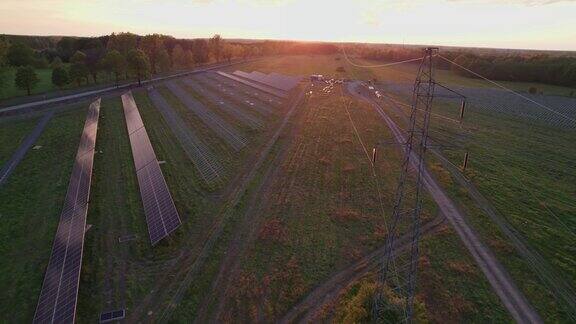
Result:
[[462, 110], [465, 162]]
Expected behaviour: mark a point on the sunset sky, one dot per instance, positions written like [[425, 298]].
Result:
[[538, 24]]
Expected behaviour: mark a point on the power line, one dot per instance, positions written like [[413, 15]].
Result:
[[509, 90], [382, 65]]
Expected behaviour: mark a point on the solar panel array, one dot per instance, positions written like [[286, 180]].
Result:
[[263, 102], [226, 131], [205, 161], [275, 80], [161, 214], [57, 302], [256, 85], [226, 106]]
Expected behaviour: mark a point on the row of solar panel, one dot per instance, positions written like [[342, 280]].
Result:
[[161, 214], [57, 302], [275, 80], [256, 85]]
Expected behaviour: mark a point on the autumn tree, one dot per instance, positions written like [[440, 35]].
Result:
[[178, 56], [200, 50], [216, 46], [122, 42], [26, 78], [138, 64], [59, 77], [189, 59], [115, 63], [153, 46], [164, 60], [228, 52]]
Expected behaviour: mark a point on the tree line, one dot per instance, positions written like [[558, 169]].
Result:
[[527, 67], [119, 56]]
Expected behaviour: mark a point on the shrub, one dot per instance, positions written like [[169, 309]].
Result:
[[532, 90]]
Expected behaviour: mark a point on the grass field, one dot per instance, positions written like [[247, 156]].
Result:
[[12, 133], [310, 210], [523, 169], [30, 206], [322, 213]]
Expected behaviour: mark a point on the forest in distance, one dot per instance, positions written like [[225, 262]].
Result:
[[74, 61]]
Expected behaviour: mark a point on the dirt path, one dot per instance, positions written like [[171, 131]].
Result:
[[501, 282], [176, 280], [325, 294]]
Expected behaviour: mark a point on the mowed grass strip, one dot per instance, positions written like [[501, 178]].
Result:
[[115, 210], [30, 207]]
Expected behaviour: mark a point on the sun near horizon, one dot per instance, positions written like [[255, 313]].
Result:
[[518, 24]]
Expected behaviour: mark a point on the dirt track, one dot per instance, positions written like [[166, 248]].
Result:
[[501, 282], [326, 293]]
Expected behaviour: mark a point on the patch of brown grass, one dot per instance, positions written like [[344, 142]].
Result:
[[273, 230], [501, 246], [348, 167], [462, 267], [346, 214]]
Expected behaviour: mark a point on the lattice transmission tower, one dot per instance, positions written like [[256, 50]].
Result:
[[394, 298]]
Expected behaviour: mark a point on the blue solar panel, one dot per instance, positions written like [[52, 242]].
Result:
[[161, 214], [57, 302]]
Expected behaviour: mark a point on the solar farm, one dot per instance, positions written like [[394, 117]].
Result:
[[222, 124], [253, 193]]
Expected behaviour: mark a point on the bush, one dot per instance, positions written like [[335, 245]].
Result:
[[532, 90], [340, 69]]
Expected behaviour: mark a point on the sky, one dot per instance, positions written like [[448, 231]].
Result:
[[530, 24]]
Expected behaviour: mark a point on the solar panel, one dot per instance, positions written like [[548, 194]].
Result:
[[142, 150], [57, 302], [255, 84], [133, 119], [112, 316], [161, 215], [274, 80]]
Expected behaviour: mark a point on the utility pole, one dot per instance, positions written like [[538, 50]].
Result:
[[394, 298]]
